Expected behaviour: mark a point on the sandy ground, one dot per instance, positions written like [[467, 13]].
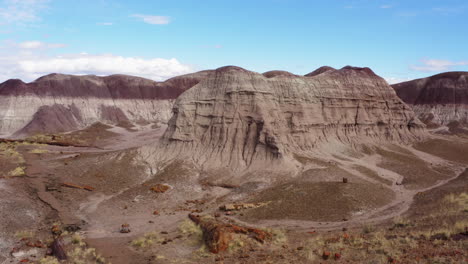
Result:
[[122, 179]]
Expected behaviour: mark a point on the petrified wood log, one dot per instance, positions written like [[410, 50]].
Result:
[[217, 235]]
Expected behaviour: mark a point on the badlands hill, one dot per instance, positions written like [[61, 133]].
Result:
[[439, 100], [332, 165], [59, 103], [238, 118]]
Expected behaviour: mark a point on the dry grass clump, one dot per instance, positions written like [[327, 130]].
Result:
[[39, 151], [18, 172], [445, 231], [77, 240], [189, 228], [83, 255], [367, 229], [49, 260], [400, 222], [236, 243], [24, 234], [459, 200], [146, 241], [9, 151], [278, 236]]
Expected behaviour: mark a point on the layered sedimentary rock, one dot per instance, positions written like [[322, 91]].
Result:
[[320, 71], [58, 103], [439, 100], [236, 118]]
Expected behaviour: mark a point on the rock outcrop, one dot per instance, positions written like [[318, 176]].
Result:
[[236, 118], [439, 100], [320, 71], [59, 103]]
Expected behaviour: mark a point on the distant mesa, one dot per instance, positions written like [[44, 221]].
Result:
[[439, 100], [61, 102]]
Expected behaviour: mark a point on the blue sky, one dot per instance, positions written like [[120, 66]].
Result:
[[158, 39]]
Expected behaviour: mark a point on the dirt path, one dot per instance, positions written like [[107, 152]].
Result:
[[38, 172], [401, 204], [133, 139]]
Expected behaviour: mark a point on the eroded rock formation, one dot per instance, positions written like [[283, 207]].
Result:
[[58, 102], [439, 100], [236, 118]]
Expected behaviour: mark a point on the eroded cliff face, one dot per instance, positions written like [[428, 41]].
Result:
[[237, 118], [59, 103], [440, 100]]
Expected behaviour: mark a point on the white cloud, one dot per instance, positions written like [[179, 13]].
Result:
[[393, 80], [386, 6], [431, 65], [21, 11], [105, 24], [40, 45], [154, 20], [30, 64]]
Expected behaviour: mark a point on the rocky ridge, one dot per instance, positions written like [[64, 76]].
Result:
[[439, 100], [59, 102], [238, 118]]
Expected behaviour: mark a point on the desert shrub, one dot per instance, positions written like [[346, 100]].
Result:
[[145, 241], [19, 171], [459, 200], [278, 236], [367, 229], [10, 152], [49, 260], [236, 244], [24, 234], [401, 222], [77, 240], [83, 255], [312, 248], [188, 227], [460, 226], [39, 151]]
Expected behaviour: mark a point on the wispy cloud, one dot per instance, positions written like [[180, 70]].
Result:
[[386, 6], [449, 10], [39, 45], [21, 11], [431, 65], [105, 24], [153, 20]]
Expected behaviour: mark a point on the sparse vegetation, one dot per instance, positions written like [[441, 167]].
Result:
[[78, 240], [367, 229], [84, 255], [400, 222], [236, 244], [39, 151], [24, 234], [49, 260], [19, 171], [191, 229], [9, 151], [146, 241], [278, 236], [459, 200]]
